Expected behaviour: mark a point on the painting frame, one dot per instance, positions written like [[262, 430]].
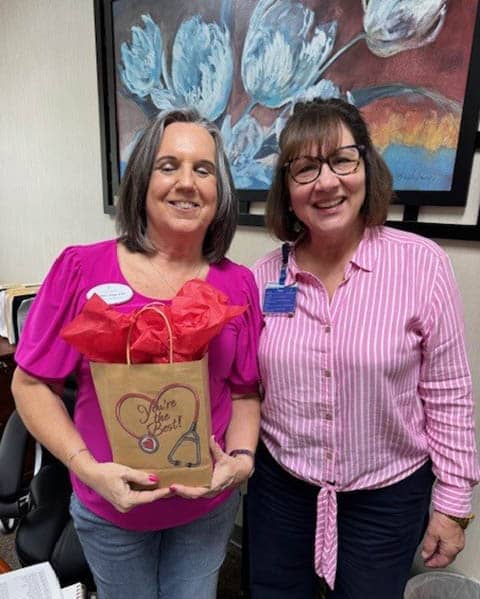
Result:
[[469, 139]]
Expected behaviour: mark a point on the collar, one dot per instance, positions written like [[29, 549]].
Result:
[[365, 256], [292, 266]]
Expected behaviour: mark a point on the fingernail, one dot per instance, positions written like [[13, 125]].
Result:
[[173, 489], [152, 478]]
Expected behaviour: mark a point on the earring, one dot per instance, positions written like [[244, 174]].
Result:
[[297, 226]]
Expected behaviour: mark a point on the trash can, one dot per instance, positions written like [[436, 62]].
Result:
[[442, 585]]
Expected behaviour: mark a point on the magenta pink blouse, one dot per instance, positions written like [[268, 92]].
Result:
[[43, 354]]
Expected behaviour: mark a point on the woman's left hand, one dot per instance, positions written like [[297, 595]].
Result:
[[442, 542], [227, 472]]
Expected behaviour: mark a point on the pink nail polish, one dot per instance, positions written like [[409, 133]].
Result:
[[152, 478]]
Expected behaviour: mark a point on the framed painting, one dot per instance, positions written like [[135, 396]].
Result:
[[244, 65]]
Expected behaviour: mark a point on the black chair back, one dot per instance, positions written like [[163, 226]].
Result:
[[40, 510]]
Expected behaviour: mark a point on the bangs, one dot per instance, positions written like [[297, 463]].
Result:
[[311, 136]]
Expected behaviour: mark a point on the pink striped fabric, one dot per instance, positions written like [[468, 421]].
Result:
[[360, 392]]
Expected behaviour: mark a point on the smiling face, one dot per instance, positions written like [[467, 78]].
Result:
[[330, 205], [182, 191]]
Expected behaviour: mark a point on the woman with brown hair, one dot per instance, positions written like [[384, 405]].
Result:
[[176, 218], [368, 396]]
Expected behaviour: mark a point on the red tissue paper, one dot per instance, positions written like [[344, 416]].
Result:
[[196, 314]]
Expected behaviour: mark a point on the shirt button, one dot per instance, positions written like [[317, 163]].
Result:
[[327, 373], [328, 416], [327, 329], [329, 455]]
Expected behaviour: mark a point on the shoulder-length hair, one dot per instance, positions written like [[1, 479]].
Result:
[[318, 123], [131, 220]]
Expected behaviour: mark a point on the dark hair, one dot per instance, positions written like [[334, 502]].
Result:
[[131, 212], [318, 122]]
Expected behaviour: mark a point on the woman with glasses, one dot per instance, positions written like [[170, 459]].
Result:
[[368, 396]]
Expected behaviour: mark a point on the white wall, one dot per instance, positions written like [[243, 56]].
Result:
[[50, 166]]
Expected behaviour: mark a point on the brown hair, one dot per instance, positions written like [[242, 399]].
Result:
[[318, 122], [131, 214]]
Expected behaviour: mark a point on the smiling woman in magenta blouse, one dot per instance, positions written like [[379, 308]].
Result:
[[368, 396], [176, 218]]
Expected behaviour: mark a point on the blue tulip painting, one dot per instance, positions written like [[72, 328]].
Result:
[[244, 64]]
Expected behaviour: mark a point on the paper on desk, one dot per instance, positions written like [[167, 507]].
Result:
[[32, 582]]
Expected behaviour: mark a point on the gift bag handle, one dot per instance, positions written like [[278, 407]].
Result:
[[191, 434], [154, 307]]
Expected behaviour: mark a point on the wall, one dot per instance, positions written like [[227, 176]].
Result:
[[50, 175]]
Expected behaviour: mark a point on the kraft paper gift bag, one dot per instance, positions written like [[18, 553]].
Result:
[[157, 417]]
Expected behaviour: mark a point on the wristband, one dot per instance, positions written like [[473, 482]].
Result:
[[462, 521], [248, 452], [74, 455]]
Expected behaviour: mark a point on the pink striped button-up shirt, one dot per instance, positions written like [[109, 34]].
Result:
[[362, 390]]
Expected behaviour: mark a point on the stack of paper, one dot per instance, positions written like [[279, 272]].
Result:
[[37, 582], [15, 300]]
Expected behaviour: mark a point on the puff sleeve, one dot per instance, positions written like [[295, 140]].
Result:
[[244, 375], [41, 352]]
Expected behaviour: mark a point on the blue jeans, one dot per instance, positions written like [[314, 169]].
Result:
[[177, 563], [378, 533]]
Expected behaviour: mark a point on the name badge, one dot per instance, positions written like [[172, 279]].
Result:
[[112, 293], [279, 299]]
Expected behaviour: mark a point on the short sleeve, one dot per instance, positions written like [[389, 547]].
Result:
[[41, 352], [244, 376]]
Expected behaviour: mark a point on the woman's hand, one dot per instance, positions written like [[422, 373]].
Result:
[[227, 472], [443, 540], [46, 417], [123, 487]]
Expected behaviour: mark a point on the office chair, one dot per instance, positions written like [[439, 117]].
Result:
[[39, 509], [13, 494], [4, 567]]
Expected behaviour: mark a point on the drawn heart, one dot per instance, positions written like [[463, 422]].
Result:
[[167, 416], [149, 444]]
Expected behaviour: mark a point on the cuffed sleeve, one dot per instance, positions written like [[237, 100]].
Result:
[[452, 500]]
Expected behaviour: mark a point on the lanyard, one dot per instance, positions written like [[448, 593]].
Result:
[[279, 298], [283, 268]]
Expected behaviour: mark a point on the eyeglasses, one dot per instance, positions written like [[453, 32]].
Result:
[[343, 161]]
